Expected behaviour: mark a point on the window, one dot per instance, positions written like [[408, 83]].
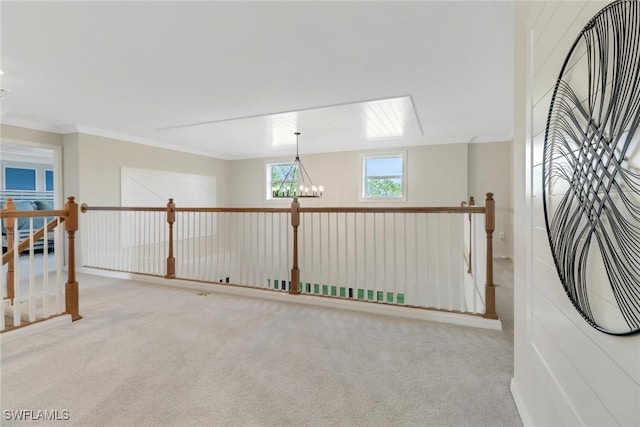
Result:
[[19, 179], [48, 180], [277, 178], [383, 177]]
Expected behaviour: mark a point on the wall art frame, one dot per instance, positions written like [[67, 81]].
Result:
[[591, 170]]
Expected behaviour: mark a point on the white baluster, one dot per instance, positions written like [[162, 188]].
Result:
[[3, 292], [16, 268], [58, 250], [32, 279], [45, 273]]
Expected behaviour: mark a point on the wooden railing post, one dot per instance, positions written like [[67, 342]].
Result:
[[10, 224], [171, 261], [490, 289], [72, 306], [295, 222]]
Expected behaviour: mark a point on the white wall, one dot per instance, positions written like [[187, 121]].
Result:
[[566, 372], [41, 140]]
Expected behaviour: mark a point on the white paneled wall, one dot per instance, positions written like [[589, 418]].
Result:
[[566, 372]]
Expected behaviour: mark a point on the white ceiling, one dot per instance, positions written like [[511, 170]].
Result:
[[234, 79]]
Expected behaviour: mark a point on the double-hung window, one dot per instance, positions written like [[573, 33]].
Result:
[[280, 178], [19, 178], [48, 180], [384, 177]]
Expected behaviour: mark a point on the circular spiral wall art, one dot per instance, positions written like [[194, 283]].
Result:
[[591, 170]]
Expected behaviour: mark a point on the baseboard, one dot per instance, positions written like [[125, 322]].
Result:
[[322, 301], [35, 328], [520, 405]]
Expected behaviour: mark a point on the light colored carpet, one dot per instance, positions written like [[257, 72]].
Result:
[[149, 355]]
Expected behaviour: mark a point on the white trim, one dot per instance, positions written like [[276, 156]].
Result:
[[59, 198], [4, 178], [359, 306], [44, 179], [525, 417], [266, 181], [383, 154]]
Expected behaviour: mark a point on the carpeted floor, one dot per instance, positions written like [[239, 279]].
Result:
[[150, 355]]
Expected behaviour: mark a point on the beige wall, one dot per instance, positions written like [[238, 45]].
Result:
[[437, 176], [29, 136], [566, 372], [490, 171], [100, 160]]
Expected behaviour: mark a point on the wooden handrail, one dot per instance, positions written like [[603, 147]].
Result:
[[5, 213], [85, 208], [448, 209]]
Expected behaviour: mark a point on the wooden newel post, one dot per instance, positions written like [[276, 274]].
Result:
[[10, 224], [72, 305], [171, 261], [295, 222], [490, 289]]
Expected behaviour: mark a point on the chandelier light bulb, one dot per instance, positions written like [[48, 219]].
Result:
[[296, 172]]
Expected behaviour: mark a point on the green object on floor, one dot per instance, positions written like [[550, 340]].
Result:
[[389, 296], [343, 292], [334, 291], [400, 298], [316, 288], [370, 295], [325, 290], [360, 293], [380, 296]]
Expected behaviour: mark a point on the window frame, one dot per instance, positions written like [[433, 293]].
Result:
[[5, 178], [269, 183], [363, 196], [46, 181]]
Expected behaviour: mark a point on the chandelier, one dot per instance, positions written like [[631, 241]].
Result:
[[304, 187]]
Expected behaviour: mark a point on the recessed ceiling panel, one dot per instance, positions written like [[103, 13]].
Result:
[[320, 127]]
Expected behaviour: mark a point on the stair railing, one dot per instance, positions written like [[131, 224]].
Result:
[[38, 302], [273, 248]]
